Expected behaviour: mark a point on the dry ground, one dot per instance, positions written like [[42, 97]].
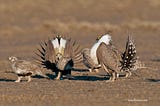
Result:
[[24, 23]]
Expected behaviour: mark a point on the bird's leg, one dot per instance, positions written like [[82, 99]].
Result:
[[105, 68], [29, 78], [96, 70], [128, 74], [90, 70], [59, 76], [114, 76], [110, 79], [117, 75], [19, 79]]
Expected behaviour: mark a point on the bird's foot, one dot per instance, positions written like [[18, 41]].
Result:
[[17, 81], [111, 79], [29, 78], [90, 70], [128, 74], [96, 70], [59, 78]]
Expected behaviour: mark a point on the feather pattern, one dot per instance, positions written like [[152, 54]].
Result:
[[60, 55], [114, 61], [90, 55], [107, 57], [25, 68], [129, 56], [87, 60]]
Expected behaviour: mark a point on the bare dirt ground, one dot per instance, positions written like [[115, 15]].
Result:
[[24, 23]]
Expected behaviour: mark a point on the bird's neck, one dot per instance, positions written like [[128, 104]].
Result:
[[93, 52], [13, 66]]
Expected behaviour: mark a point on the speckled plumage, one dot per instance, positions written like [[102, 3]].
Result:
[[25, 68]]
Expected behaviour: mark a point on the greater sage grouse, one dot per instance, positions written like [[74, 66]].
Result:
[[25, 68], [59, 55], [90, 55], [104, 54]]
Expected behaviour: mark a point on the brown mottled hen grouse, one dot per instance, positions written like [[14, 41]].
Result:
[[25, 69]]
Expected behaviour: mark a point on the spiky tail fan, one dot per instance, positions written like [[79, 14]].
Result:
[[129, 56], [73, 49], [41, 56]]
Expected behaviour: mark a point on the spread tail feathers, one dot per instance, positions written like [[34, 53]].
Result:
[[129, 56], [40, 56]]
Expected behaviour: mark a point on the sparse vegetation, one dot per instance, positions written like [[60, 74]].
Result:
[[25, 23]]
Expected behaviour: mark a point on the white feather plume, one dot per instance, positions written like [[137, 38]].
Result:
[[106, 39], [57, 45]]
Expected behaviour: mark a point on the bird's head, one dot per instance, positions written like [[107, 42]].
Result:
[[12, 58], [104, 38], [59, 36]]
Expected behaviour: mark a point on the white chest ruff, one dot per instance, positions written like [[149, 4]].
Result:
[[93, 52], [59, 47]]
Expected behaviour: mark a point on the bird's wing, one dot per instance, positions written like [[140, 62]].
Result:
[[107, 57], [25, 66], [87, 60]]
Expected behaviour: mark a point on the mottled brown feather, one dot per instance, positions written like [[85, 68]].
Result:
[[108, 57], [87, 60], [50, 52]]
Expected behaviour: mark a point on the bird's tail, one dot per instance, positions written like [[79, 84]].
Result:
[[9, 71], [38, 72], [40, 56], [129, 58]]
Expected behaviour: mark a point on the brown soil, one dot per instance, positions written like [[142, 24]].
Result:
[[24, 23]]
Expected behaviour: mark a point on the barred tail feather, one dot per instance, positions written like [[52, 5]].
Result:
[[129, 56]]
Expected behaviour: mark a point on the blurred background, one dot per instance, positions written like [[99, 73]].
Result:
[[24, 23]]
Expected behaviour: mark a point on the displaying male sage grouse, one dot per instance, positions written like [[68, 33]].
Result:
[[59, 55], [25, 68], [109, 58]]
